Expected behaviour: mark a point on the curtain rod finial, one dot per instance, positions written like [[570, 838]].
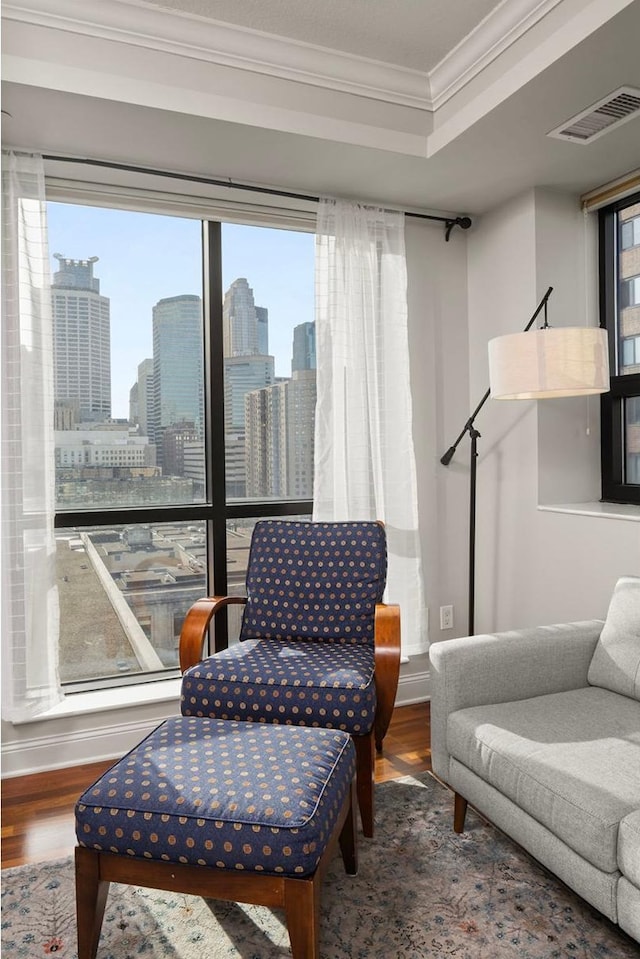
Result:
[[464, 222]]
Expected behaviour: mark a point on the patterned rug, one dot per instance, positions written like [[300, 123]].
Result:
[[421, 891]]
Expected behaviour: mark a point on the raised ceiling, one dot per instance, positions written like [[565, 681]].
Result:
[[344, 109], [411, 33]]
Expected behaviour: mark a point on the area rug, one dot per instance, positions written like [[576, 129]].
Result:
[[421, 891]]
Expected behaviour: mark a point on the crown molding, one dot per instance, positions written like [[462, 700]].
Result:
[[137, 23], [140, 23], [499, 30]]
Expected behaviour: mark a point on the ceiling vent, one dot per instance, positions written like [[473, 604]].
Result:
[[600, 117]]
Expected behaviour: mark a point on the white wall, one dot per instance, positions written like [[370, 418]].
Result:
[[535, 566], [568, 429], [439, 367]]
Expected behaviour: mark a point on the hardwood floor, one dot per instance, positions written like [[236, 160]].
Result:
[[37, 810]]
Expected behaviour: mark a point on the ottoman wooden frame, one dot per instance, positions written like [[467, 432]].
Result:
[[298, 896]]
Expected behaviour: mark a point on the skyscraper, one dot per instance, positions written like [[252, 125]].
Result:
[[265, 417], [247, 367], [239, 320], [262, 318], [241, 375], [304, 347], [300, 428], [145, 396], [82, 339], [279, 437], [178, 393], [134, 415]]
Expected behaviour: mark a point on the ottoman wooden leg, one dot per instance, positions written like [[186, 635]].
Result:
[[348, 837], [302, 911], [91, 898]]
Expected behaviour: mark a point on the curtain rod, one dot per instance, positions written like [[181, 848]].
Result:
[[464, 222]]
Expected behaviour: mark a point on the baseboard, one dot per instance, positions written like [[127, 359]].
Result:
[[414, 688], [97, 742], [73, 748]]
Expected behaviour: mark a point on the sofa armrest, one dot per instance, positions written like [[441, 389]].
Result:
[[503, 667]]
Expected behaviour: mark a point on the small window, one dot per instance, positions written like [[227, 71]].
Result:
[[631, 351], [620, 313], [630, 233], [630, 292]]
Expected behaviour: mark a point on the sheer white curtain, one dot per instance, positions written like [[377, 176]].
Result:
[[30, 617], [364, 456]]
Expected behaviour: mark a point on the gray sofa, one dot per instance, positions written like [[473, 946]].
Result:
[[539, 729]]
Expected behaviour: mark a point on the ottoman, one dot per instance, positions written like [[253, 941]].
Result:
[[245, 812]]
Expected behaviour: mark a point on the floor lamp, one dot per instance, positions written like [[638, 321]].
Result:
[[550, 362]]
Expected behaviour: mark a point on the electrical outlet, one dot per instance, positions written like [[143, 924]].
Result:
[[446, 617]]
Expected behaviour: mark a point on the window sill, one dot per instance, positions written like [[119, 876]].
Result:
[[122, 697], [624, 511]]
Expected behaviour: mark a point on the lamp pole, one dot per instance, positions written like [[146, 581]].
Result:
[[474, 436]]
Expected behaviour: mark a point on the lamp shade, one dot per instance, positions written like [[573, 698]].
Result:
[[549, 362]]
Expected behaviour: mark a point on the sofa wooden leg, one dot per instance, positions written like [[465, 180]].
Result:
[[459, 812]]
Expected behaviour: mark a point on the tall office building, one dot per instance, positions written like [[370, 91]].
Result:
[[279, 435], [241, 375], [300, 429], [239, 320], [178, 393], [134, 393], [247, 367], [82, 340], [262, 319], [145, 396], [265, 418], [304, 347]]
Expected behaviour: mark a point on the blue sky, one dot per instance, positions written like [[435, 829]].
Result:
[[144, 257]]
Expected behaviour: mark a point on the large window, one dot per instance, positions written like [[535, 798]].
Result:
[[184, 376], [620, 308]]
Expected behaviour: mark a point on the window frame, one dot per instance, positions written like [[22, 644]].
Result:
[[622, 386], [215, 511]]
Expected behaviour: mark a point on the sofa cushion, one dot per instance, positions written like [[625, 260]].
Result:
[[629, 847], [571, 760], [616, 660]]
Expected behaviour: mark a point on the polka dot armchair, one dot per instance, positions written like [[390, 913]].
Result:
[[317, 645]]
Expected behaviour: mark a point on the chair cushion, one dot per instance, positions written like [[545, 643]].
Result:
[[571, 760], [229, 795], [280, 681], [616, 660], [314, 580]]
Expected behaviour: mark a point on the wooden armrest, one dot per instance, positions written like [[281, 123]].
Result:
[[196, 622], [387, 668]]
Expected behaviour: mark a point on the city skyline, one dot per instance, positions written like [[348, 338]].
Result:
[[143, 258], [103, 452]]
